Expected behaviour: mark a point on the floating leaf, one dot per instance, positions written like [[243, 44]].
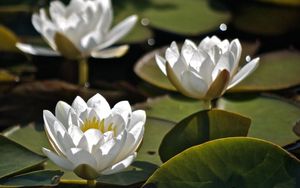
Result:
[[201, 127], [229, 162], [296, 127], [172, 108], [36, 178], [15, 158], [189, 17], [147, 69], [272, 119], [247, 16], [283, 2], [35, 132], [276, 70]]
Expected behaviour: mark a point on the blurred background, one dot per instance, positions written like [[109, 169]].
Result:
[[29, 84]]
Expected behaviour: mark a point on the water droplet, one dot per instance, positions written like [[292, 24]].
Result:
[[248, 58], [223, 27], [145, 21], [151, 42]]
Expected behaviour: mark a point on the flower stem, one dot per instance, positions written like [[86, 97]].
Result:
[[207, 104], [83, 72]]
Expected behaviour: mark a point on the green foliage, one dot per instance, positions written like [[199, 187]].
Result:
[[15, 158], [229, 162], [272, 119], [277, 70], [201, 127]]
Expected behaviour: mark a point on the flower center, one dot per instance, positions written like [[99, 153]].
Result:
[[95, 123]]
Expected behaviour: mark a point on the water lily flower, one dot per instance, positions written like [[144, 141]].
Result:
[[91, 138], [79, 30], [205, 71]]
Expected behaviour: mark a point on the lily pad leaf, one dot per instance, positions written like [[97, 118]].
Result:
[[272, 119], [171, 107], [36, 178], [15, 158], [276, 70], [229, 162], [189, 17], [247, 17], [201, 127]]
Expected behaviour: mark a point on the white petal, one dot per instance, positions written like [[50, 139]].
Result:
[[116, 121], [134, 139], [206, 70], [110, 150], [93, 136], [58, 160], [49, 120], [107, 15], [74, 119], [35, 50], [65, 141], [236, 49], [122, 108], [57, 7], [100, 104], [172, 54], [110, 52], [118, 31], [161, 62], [188, 49], [80, 156], [176, 79], [61, 112], [244, 72], [79, 105], [179, 67], [174, 48], [194, 84], [120, 165], [136, 117], [225, 62], [75, 133]]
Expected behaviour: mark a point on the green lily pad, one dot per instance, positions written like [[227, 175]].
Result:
[[147, 69], [276, 70], [21, 135], [145, 164], [272, 119], [15, 158], [283, 2], [247, 16], [189, 17], [201, 127], [36, 178], [229, 162], [172, 108]]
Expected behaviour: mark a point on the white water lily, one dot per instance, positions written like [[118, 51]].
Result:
[[205, 71], [91, 138], [79, 30]]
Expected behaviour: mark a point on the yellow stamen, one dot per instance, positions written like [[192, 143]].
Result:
[[97, 124]]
